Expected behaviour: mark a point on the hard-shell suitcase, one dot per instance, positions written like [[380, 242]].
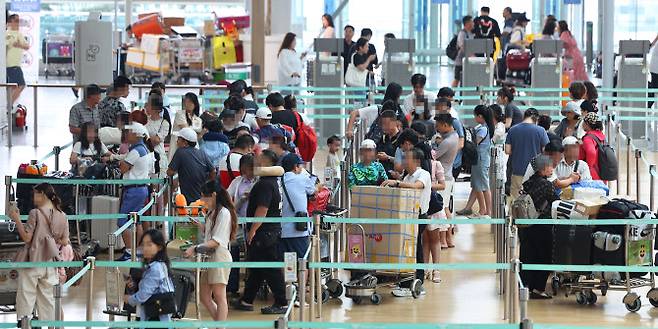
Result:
[[183, 289], [518, 60], [8, 277], [104, 204], [8, 233]]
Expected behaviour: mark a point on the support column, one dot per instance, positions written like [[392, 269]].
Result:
[[435, 28], [607, 15], [257, 41], [3, 73]]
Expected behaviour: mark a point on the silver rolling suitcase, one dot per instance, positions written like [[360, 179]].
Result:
[[104, 204]]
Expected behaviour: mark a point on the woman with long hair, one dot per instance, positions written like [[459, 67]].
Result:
[[46, 222], [187, 116], [328, 30], [156, 278], [572, 54], [548, 33], [484, 131], [89, 148], [289, 63], [219, 230]]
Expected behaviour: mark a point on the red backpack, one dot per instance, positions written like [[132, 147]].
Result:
[[306, 139]]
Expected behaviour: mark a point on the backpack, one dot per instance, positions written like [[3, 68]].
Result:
[[451, 50], [307, 140], [167, 117], [470, 151], [608, 169], [523, 207]]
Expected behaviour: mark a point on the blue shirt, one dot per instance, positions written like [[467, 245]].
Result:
[[527, 140], [155, 280], [459, 129], [299, 187]]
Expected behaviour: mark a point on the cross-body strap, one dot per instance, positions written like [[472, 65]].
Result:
[[575, 169], [48, 221], [228, 166], [285, 191]]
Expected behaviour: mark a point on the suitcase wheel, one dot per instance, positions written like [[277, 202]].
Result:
[[632, 302]]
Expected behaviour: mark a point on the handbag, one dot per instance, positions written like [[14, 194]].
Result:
[[354, 77], [436, 203], [160, 304], [299, 226], [49, 249]]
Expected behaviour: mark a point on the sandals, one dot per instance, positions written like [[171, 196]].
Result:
[[436, 276]]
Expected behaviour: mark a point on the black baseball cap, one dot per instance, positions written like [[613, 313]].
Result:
[[93, 89], [290, 161]]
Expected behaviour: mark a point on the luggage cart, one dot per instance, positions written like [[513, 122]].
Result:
[[332, 287], [57, 52], [366, 286], [188, 54], [8, 277], [583, 285]]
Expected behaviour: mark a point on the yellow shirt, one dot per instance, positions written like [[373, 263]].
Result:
[[14, 54]]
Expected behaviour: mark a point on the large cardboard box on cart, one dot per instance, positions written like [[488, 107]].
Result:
[[387, 243]]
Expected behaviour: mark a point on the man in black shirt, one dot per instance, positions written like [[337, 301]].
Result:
[[280, 115], [263, 241], [485, 26], [388, 143], [367, 34], [347, 46]]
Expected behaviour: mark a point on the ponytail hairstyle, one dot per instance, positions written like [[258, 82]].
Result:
[[223, 200], [50, 194], [485, 112]]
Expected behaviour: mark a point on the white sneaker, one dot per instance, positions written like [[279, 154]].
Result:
[[401, 292]]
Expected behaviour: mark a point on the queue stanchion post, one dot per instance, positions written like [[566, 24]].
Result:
[[111, 244], [57, 150], [77, 208], [10, 110], [311, 284], [197, 286], [90, 291], [301, 290], [638, 156], [133, 236], [524, 296], [170, 195], [25, 322], [7, 192], [35, 97], [57, 294], [628, 165], [315, 250], [652, 188], [493, 174], [618, 141], [511, 276]]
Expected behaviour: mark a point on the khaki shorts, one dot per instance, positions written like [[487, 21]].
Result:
[[218, 275], [516, 185]]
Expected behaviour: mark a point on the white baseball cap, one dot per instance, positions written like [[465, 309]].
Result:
[[138, 129], [188, 134], [264, 113], [572, 106], [570, 140], [368, 144]]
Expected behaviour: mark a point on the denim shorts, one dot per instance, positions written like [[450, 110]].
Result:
[[15, 75], [133, 200]]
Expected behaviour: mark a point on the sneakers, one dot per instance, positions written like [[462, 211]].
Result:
[[274, 309], [240, 306], [401, 292], [125, 257]]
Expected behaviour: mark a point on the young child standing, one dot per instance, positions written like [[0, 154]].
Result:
[[332, 168]]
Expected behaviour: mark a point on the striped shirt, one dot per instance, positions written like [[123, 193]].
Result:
[[564, 170], [81, 113]]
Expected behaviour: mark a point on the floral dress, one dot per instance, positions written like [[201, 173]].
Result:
[[372, 174]]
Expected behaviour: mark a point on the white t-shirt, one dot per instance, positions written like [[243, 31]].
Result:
[[288, 63], [408, 104], [250, 120], [368, 115], [90, 151], [142, 162], [653, 63], [159, 128], [422, 175], [222, 229]]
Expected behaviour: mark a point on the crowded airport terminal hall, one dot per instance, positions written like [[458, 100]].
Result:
[[347, 164]]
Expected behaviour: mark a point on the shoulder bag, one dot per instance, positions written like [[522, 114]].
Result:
[[299, 226], [354, 77], [160, 304]]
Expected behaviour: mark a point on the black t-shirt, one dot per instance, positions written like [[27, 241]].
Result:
[[372, 51], [512, 111], [347, 51], [388, 145], [265, 193], [486, 27], [285, 117]]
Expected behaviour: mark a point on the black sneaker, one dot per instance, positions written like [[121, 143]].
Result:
[[534, 294], [240, 306], [274, 309]]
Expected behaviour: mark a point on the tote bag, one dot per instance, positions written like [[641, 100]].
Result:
[[354, 77]]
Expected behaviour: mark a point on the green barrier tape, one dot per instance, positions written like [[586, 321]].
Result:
[[541, 107], [632, 109], [87, 181], [76, 277], [636, 118], [388, 325], [52, 153], [628, 90], [111, 263], [412, 221], [153, 324], [626, 99], [460, 89], [468, 98], [542, 90], [326, 106], [540, 98], [290, 88], [9, 325], [17, 265], [584, 222], [162, 190], [403, 266], [588, 268], [327, 116], [146, 207], [123, 228], [347, 96], [274, 219], [170, 219], [188, 265]]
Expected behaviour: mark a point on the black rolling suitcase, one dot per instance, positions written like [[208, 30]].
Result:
[[572, 244], [183, 289]]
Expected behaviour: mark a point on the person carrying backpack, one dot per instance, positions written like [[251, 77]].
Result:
[[599, 156]]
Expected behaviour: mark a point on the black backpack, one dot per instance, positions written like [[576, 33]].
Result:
[[608, 169], [470, 150], [452, 50]]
